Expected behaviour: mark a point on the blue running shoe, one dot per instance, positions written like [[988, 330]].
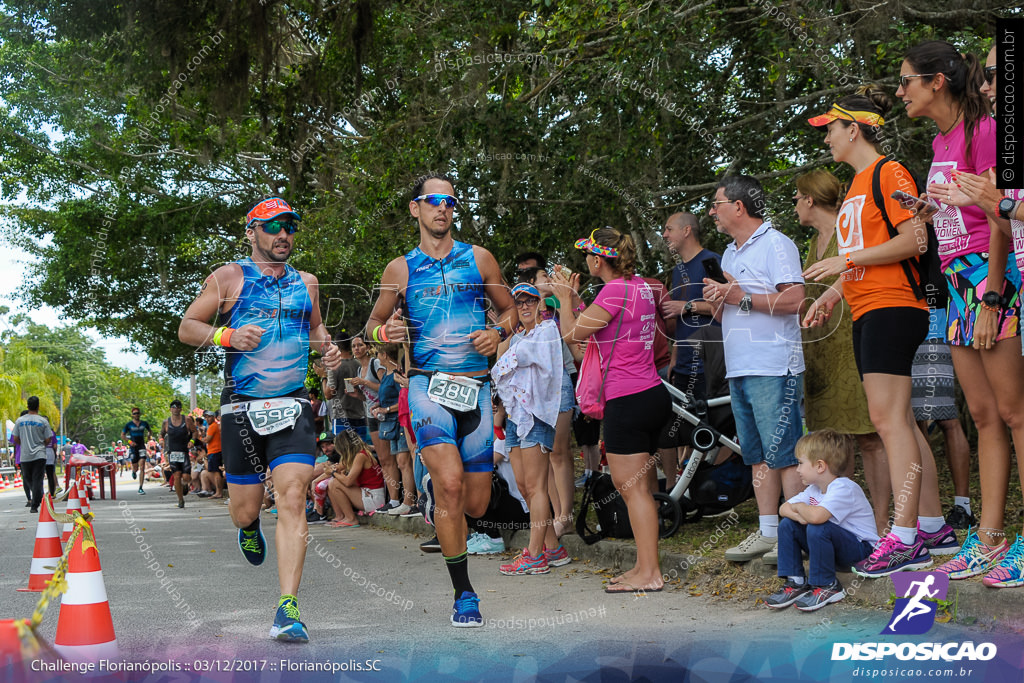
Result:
[[466, 612], [253, 545], [287, 627], [428, 509]]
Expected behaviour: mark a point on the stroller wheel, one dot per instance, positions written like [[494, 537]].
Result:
[[670, 515]]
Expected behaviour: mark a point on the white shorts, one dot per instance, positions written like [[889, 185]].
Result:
[[372, 499]]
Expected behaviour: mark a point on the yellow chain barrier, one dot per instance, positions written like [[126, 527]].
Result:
[[58, 584]]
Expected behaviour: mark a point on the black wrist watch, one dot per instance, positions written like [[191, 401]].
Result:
[[992, 299], [746, 303], [688, 308], [502, 334], [1006, 208]]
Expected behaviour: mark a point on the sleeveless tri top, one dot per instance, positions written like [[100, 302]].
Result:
[[282, 307], [177, 438], [444, 302]]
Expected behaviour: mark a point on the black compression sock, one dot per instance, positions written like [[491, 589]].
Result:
[[254, 526], [458, 569]]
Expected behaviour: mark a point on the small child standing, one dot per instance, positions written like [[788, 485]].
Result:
[[831, 520]]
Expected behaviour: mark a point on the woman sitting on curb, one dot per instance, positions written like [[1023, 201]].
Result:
[[356, 480]]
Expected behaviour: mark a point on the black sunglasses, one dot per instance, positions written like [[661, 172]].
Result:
[[990, 73]]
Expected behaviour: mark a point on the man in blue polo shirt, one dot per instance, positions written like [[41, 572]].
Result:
[[31, 434]]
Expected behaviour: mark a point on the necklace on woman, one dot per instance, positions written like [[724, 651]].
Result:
[[943, 133]]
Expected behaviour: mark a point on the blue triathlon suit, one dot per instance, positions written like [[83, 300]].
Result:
[[276, 368], [444, 303]]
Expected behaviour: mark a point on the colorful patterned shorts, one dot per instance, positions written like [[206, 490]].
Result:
[[967, 277]]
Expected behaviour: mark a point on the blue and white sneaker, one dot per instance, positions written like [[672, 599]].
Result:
[[466, 611], [482, 544], [253, 545], [428, 490], [287, 626]]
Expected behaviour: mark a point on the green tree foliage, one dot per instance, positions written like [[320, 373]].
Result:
[[140, 133], [98, 397]]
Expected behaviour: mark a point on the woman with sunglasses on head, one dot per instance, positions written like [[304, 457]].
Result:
[[368, 382], [983, 316], [833, 394], [889, 323], [528, 378], [1004, 213], [621, 323]]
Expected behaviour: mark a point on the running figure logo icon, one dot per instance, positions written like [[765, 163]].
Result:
[[914, 612]]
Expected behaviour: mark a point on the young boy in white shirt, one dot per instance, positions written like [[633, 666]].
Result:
[[831, 520]]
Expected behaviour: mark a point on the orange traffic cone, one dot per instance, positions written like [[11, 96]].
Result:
[[4, 485], [85, 629], [74, 503], [17, 479], [47, 550], [18, 644], [83, 496]]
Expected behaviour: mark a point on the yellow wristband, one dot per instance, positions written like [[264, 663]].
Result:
[[222, 337]]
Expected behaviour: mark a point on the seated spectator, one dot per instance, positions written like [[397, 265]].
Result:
[[356, 482], [831, 520]]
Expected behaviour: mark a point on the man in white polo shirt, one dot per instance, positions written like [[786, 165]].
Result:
[[764, 361]]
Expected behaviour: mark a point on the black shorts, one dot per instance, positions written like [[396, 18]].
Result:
[[183, 467], [885, 340], [248, 456], [586, 429], [214, 462], [137, 451], [632, 424]]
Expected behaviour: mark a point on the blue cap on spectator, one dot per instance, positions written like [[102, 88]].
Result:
[[525, 288]]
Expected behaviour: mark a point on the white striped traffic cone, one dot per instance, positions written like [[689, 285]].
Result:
[[74, 503], [83, 496], [17, 479], [94, 491], [85, 629], [3, 483], [46, 553]]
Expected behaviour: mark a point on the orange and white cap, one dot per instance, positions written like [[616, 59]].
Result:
[[268, 210]]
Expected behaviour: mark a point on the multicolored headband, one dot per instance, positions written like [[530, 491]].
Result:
[[589, 245], [868, 118]]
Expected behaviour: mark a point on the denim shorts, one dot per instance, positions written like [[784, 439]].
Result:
[[767, 412], [568, 399], [541, 434], [400, 445]]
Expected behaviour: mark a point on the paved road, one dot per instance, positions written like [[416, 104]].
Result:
[[555, 627]]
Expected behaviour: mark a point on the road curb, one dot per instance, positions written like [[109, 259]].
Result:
[[971, 602]]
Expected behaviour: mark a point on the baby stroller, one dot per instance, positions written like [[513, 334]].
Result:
[[693, 495]]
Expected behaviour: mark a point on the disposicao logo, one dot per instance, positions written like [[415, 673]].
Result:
[[914, 612]]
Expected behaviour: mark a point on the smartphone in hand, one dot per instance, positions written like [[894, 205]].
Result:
[[713, 270], [912, 202]]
